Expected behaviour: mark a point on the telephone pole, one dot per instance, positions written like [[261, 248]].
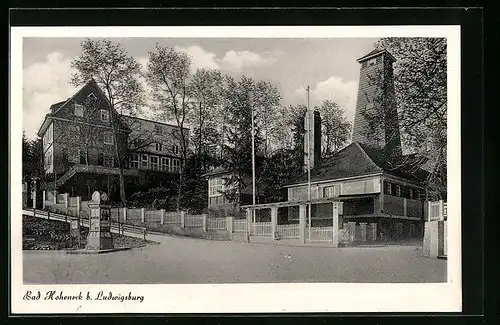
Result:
[[309, 124]]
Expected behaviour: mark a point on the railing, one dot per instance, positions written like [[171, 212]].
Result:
[[288, 231], [239, 225], [153, 215], [217, 224], [261, 228], [193, 221], [172, 218], [320, 234]]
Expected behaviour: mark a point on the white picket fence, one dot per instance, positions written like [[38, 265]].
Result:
[[172, 218], [153, 215], [239, 225], [291, 231], [193, 221], [261, 229], [320, 234], [216, 224]]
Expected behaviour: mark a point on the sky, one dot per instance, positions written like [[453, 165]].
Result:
[[328, 66]]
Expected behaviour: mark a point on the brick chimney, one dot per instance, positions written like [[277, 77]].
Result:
[[376, 119], [315, 148]]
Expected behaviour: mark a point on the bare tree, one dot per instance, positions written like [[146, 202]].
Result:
[[335, 127], [117, 74]]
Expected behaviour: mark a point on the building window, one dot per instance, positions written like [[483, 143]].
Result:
[[92, 96], [158, 146], [331, 191], [144, 161], [104, 115], [176, 165], [216, 186], [134, 161], [78, 110], [387, 188], [108, 138], [175, 149], [108, 160], [154, 162], [165, 164], [372, 61], [398, 190]]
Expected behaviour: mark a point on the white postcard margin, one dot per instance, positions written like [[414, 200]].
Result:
[[251, 298]]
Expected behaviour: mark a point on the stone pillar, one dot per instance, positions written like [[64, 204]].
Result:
[[337, 209], [249, 221], [302, 223], [162, 216], [182, 219], [143, 215], [124, 214], [363, 231], [33, 194], [274, 221], [374, 230], [99, 237], [205, 216], [441, 210], [43, 200]]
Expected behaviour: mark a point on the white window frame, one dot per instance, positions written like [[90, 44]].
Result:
[[389, 188], [107, 137], [134, 161], [165, 164], [175, 149], [398, 190], [92, 95], [108, 160], [215, 186], [144, 161], [154, 165], [176, 165], [105, 115], [158, 146], [78, 108], [332, 191]]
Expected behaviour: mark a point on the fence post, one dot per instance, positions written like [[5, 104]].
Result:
[[162, 216], [55, 196], [428, 210], [441, 210], [229, 224], [124, 214], [78, 200], [43, 200], [335, 223], [182, 219], [65, 200], [274, 221], [143, 214], [33, 194], [363, 231], [204, 222], [249, 223], [302, 223]]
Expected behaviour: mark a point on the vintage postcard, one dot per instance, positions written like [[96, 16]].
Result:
[[235, 169]]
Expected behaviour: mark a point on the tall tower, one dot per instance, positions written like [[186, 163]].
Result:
[[376, 119]]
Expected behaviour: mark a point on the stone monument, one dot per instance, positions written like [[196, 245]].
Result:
[[99, 237]]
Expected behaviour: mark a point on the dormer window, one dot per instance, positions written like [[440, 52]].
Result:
[[108, 138], [372, 62], [104, 115], [78, 110], [158, 146]]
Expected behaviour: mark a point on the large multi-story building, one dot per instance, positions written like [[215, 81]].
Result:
[[79, 150]]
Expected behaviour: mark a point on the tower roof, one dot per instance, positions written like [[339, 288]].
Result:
[[374, 53]]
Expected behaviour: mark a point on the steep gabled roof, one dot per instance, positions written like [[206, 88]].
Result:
[[357, 160], [374, 53]]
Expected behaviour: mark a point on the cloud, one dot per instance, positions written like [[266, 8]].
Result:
[[44, 83], [246, 59], [341, 91], [200, 59]]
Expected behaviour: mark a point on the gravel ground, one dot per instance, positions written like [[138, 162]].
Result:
[[187, 260]]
